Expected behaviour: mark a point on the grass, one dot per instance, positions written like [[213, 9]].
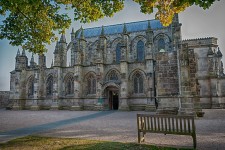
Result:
[[50, 143]]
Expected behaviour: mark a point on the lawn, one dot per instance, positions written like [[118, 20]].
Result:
[[50, 143]]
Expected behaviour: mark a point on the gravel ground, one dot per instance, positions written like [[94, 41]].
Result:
[[111, 126]]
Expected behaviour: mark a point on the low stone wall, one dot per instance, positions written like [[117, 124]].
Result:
[[4, 99]]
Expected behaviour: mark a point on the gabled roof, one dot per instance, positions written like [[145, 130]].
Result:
[[118, 28]]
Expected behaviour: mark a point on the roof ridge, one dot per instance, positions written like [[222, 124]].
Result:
[[121, 23], [118, 28]]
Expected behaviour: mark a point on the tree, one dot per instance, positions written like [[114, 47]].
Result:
[[32, 23]]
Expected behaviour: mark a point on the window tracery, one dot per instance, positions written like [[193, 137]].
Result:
[[49, 86], [140, 51], [91, 85], [69, 85], [31, 87], [161, 45], [118, 53], [138, 83], [112, 76]]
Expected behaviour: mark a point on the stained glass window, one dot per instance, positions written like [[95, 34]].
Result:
[[138, 83], [140, 51], [69, 85], [31, 87], [118, 53], [49, 86], [112, 76], [161, 45], [91, 85]]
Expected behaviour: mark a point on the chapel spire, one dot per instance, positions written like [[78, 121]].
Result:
[[219, 54], [149, 25], [82, 33], [73, 35], [124, 29], [32, 58], [63, 38], [18, 52], [23, 53], [102, 31]]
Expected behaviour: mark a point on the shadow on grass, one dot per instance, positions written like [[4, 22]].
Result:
[[39, 143]]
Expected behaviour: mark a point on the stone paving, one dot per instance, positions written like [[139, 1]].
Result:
[[108, 125]]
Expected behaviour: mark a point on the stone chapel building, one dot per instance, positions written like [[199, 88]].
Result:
[[132, 66]]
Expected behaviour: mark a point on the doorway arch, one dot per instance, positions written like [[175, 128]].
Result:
[[112, 94], [113, 98]]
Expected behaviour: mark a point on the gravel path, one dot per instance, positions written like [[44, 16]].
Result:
[[108, 125]]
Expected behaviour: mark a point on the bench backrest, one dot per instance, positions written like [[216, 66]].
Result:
[[168, 124]]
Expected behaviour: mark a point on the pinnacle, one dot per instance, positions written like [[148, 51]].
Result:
[[18, 52], [72, 31], [210, 52], [23, 53], [82, 33], [102, 31], [149, 24], [219, 54], [63, 38], [32, 57], [124, 28]]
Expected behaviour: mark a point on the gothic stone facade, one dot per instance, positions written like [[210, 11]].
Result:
[[132, 66]]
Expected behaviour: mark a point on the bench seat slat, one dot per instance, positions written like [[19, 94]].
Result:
[[169, 123], [155, 128], [165, 132], [189, 126], [173, 125], [177, 127], [158, 124], [162, 125], [180, 120], [165, 124], [185, 130], [151, 123]]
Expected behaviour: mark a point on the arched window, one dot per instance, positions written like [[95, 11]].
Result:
[[161, 45], [140, 51], [31, 87], [91, 85], [69, 85], [118, 53], [49, 86], [138, 83], [112, 76]]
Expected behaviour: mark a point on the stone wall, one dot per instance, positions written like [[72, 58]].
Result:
[[4, 99], [167, 77]]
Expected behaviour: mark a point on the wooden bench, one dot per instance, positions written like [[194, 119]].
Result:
[[166, 124]]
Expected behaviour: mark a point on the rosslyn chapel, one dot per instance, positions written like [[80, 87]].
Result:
[[132, 66]]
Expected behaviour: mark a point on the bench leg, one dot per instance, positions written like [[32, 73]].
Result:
[[194, 141], [143, 137], [139, 137]]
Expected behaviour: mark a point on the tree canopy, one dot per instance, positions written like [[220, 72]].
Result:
[[32, 23]]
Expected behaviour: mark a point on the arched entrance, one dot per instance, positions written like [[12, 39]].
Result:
[[113, 100], [113, 97], [111, 93]]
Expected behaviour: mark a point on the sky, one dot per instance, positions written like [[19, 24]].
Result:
[[196, 23]]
